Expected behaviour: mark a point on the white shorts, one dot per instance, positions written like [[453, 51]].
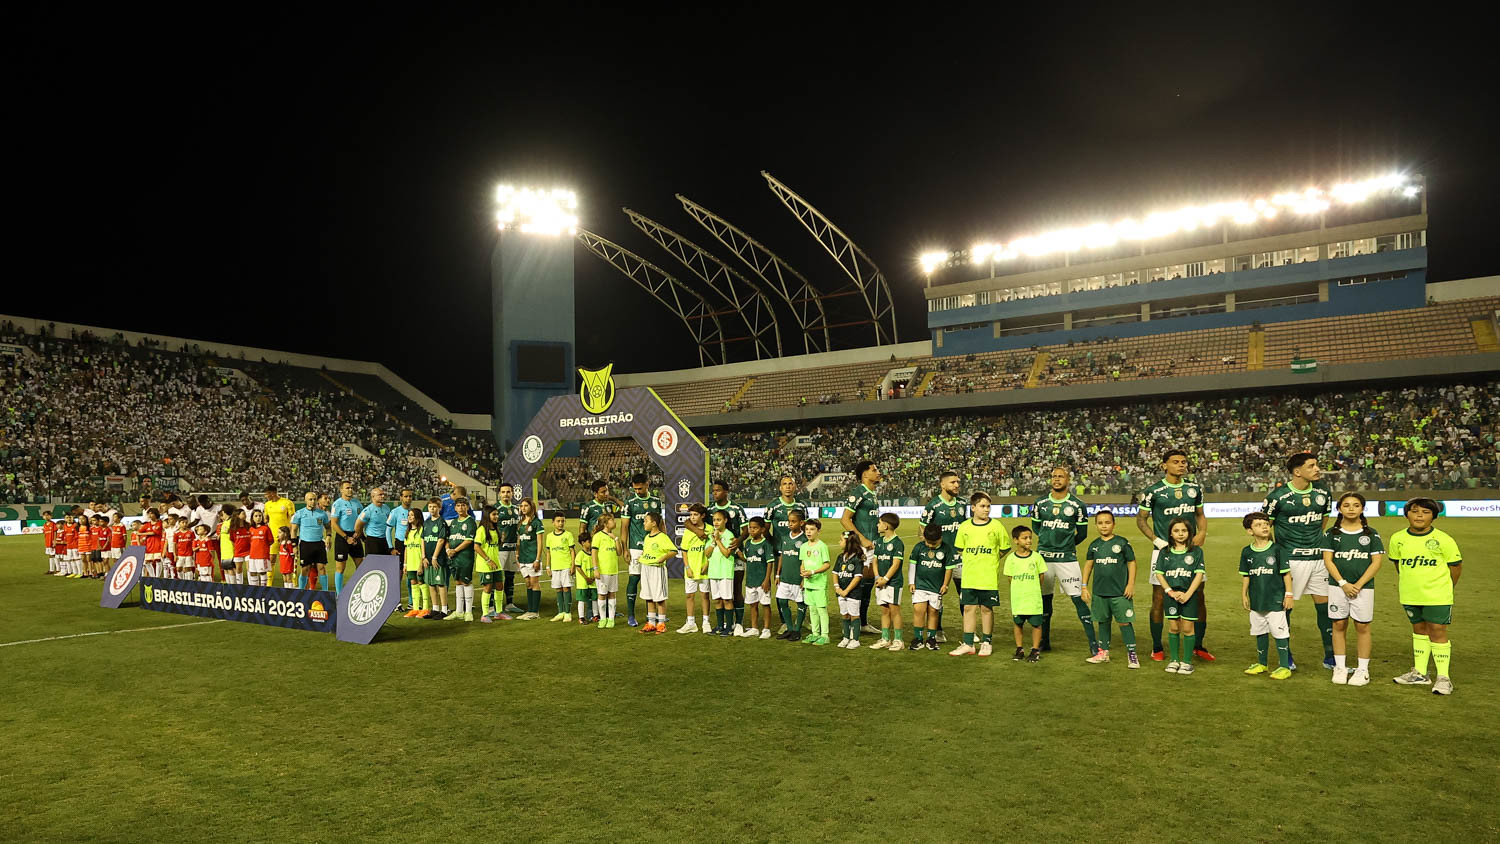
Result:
[[531, 570], [654, 583], [259, 566], [205, 572], [849, 606], [1309, 577], [113, 553], [931, 599], [693, 587], [562, 579], [635, 561], [1067, 575], [150, 558], [50, 550], [757, 595], [888, 595], [721, 589], [607, 584], [1361, 608], [184, 562], [1273, 622], [789, 592], [238, 560], [509, 561]]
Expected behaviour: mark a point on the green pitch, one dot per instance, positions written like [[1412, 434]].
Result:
[[556, 732]]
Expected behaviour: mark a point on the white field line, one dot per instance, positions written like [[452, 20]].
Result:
[[110, 632]]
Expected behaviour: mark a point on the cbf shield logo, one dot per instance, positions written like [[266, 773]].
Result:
[[598, 391]]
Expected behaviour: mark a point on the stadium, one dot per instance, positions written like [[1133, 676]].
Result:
[[1110, 503]]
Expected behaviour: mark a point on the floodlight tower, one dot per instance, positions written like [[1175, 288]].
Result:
[[531, 294]]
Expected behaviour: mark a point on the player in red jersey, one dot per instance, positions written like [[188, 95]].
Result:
[[116, 536], [184, 548], [59, 548], [287, 557], [101, 544], [261, 538]]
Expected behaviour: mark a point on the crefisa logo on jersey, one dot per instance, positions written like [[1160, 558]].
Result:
[[531, 449]]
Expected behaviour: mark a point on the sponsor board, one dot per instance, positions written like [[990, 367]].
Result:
[[297, 609], [12, 527]]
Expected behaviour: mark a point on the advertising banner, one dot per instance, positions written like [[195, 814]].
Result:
[[369, 599], [298, 609], [12, 527], [123, 577]]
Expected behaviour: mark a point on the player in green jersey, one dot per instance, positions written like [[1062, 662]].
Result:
[[813, 565], [602, 502], [461, 535], [1111, 562], [529, 531], [983, 543], [759, 556], [789, 576], [933, 560], [889, 551], [557, 557], [487, 562], [778, 520], [947, 511], [585, 577], [435, 557], [1352, 554], [1026, 568], [722, 556], [642, 501], [1180, 572], [1266, 593], [510, 517], [1428, 564], [1299, 509], [609, 547], [861, 512], [848, 571], [1060, 522], [735, 525], [695, 567], [656, 550], [1172, 496]]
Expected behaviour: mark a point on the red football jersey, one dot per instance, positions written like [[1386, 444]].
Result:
[[203, 550], [70, 536], [260, 543], [185, 543], [151, 533], [241, 539], [49, 529], [101, 536], [84, 541], [117, 536]]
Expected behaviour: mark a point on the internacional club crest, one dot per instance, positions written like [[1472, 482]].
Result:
[[598, 391]]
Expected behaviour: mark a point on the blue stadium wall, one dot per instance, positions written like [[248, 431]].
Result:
[[1392, 294], [531, 293]]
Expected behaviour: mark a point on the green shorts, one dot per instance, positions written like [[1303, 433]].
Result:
[[413, 575], [1430, 613], [1116, 608], [1022, 620], [1177, 609], [487, 578], [979, 597], [436, 575], [462, 568]]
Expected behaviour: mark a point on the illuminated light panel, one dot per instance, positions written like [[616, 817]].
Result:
[[536, 211], [1307, 202]]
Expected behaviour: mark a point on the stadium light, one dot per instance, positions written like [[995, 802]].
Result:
[[1307, 202], [536, 211]]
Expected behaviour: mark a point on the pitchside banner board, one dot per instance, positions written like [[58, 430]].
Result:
[[123, 577], [598, 413], [298, 609], [369, 598]]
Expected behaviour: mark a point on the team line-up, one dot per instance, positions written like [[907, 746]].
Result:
[[739, 565]]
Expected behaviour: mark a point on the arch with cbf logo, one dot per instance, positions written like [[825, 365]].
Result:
[[600, 412]]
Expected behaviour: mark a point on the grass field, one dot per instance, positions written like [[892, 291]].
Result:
[[557, 732]]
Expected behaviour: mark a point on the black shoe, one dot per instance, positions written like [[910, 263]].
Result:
[[785, 636], [795, 636], [932, 644], [1019, 655], [1034, 656]]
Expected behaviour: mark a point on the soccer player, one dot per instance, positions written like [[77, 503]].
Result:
[[396, 524], [789, 575], [557, 557], [1060, 522], [1266, 594], [656, 550], [510, 517], [1428, 565], [585, 575], [528, 534], [149, 531], [722, 553], [279, 512], [735, 525], [983, 543], [758, 555], [592, 510], [1026, 568], [947, 511], [848, 570], [259, 556], [117, 540], [932, 559], [1298, 509], [460, 545], [813, 564], [860, 516], [346, 545], [1172, 496], [608, 548], [889, 551], [239, 538], [487, 561], [778, 517], [1109, 564], [695, 567], [286, 556], [642, 501], [1353, 555], [435, 573], [1180, 572]]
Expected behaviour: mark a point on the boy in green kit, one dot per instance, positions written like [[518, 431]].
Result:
[[983, 542], [557, 552], [435, 557], [1025, 568], [1267, 595], [813, 566], [1111, 561], [932, 560]]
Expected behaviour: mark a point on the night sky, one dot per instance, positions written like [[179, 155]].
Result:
[[325, 185]]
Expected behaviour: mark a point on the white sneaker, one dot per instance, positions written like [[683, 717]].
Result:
[[985, 649], [707, 629], [880, 645], [782, 630], [747, 633], [690, 627], [853, 643], [766, 633], [1185, 668], [1442, 686], [1172, 667], [843, 643], [1340, 676], [1101, 656], [1413, 678], [739, 630], [897, 645], [961, 650], [869, 629], [1360, 677], [942, 638]]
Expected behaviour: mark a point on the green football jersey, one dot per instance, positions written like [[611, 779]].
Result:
[[433, 532], [861, 502], [656, 549], [789, 552], [593, 510], [776, 516], [1297, 515], [1266, 569], [462, 530], [1352, 552], [888, 551], [510, 517], [931, 565], [720, 565], [947, 515], [526, 534], [982, 546], [813, 556], [757, 555], [560, 549], [847, 567], [1060, 524], [635, 510], [1422, 561], [1179, 567], [1112, 558], [733, 512], [1166, 502], [1025, 575]]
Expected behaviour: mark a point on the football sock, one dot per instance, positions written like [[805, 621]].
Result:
[[864, 605], [632, 589], [1156, 631], [1201, 630], [533, 600], [338, 581], [581, 613], [823, 622], [323, 582], [1325, 628], [1046, 619], [426, 595], [985, 637], [415, 592], [885, 634], [1088, 620], [969, 639], [1441, 654], [1364, 664], [1172, 648], [801, 617], [1338, 662], [301, 581], [1421, 646], [739, 615], [1127, 633], [1283, 652], [1103, 632], [510, 588], [1263, 647], [705, 622], [1186, 643]]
